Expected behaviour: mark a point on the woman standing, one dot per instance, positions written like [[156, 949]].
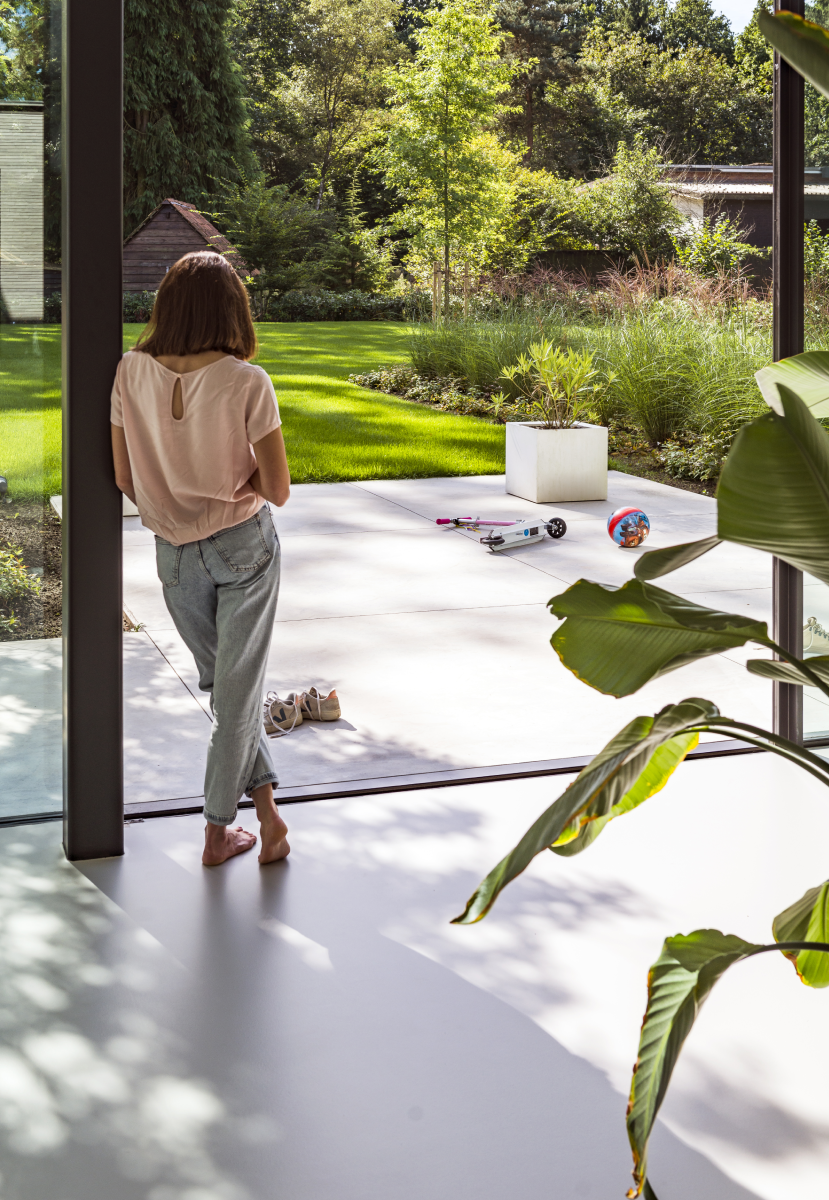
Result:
[[197, 444]]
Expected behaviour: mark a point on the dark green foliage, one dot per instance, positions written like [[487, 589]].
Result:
[[817, 106], [278, 233], [692, 102], [184, 117], [355, 257], [137, 307], [694, 23], [752, 53], [321, 305], [262, 38], [410, 20], [545, 41]]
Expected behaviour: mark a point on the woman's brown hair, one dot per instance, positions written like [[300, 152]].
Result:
[[201, 305]]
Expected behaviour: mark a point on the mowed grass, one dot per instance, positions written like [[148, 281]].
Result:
[[334, 430], [337, 431], [30, 418]]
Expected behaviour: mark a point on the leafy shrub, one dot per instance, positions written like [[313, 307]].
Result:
[[15, 583], [702, 459], [447, 395], [138, 307], [553, 384], [711, 247], [52, 308], [322, 305], [815, 252]]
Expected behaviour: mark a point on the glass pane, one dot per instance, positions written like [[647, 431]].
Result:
[[30, 414], [815, 641]]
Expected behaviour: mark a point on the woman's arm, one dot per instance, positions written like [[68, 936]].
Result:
[[121, 458], [272, 479]]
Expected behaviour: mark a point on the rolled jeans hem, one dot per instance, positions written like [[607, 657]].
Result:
[[214, 820], [266, 777]]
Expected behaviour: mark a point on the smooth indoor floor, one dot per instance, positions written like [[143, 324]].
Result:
[[317, 1030]]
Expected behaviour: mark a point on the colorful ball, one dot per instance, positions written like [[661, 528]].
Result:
[[628, 527]]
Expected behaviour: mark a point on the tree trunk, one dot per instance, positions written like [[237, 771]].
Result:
[[530, 121], [324, 171]]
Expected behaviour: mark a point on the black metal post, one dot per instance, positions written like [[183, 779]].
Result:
[[787, 583], [91, 136]]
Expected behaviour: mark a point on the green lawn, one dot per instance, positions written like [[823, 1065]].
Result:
[[333, 430], [30, 409]]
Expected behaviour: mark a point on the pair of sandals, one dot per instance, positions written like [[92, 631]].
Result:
[[282, 716]]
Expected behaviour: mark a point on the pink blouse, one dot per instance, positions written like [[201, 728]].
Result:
[[191, 476]]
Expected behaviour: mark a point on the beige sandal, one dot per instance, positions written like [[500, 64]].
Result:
[[316, 707]]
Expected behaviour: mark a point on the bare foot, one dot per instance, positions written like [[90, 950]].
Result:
[[273, 829], [221, 843]]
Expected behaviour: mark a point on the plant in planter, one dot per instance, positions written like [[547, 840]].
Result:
[[617, 640], [552, 456]]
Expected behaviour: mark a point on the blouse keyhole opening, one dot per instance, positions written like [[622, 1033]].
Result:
[[178, 403]]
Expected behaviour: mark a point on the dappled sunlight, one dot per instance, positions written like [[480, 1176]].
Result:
[[74, 964]]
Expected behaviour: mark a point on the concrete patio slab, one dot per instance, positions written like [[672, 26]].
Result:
[[439, 649], [165, 728], [481, 492], [31, 763], [421, 692]]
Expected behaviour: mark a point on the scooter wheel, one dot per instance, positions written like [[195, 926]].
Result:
[[556, 528]]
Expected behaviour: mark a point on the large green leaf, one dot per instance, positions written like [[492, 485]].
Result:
[[806, 374], [814, 672], [617, 639], [803, 44], [633, 766], [773, 492], [678, 985], [807, 920], [661, 562], [679, 982]]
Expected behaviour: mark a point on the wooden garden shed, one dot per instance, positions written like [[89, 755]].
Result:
[[171, 230]]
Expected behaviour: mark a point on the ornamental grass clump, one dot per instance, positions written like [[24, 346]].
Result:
[[478, 348]]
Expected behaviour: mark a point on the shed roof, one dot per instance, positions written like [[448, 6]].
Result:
[[738, 189], [215, 240]]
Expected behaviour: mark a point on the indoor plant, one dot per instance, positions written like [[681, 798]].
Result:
[[618, 639]]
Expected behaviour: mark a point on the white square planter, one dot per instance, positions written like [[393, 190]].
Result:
[[553, 465]]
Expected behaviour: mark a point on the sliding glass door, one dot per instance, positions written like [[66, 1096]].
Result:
[[30, 412]]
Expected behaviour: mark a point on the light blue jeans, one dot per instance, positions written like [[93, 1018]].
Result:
[[221, 593]]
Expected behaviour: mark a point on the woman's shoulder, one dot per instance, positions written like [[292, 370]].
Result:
[[252, 374], [134, 360]]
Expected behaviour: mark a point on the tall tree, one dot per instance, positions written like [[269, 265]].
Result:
[[694, 23], [440, 153], [262, 36], [543, 45], [753, 55], [343, 48], [184, 118], [692, 103]]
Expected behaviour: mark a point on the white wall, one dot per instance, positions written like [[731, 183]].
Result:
[[21, 214]]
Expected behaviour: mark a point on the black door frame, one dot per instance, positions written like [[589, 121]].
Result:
[[92, 168], [92, 159], [787, 290]]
